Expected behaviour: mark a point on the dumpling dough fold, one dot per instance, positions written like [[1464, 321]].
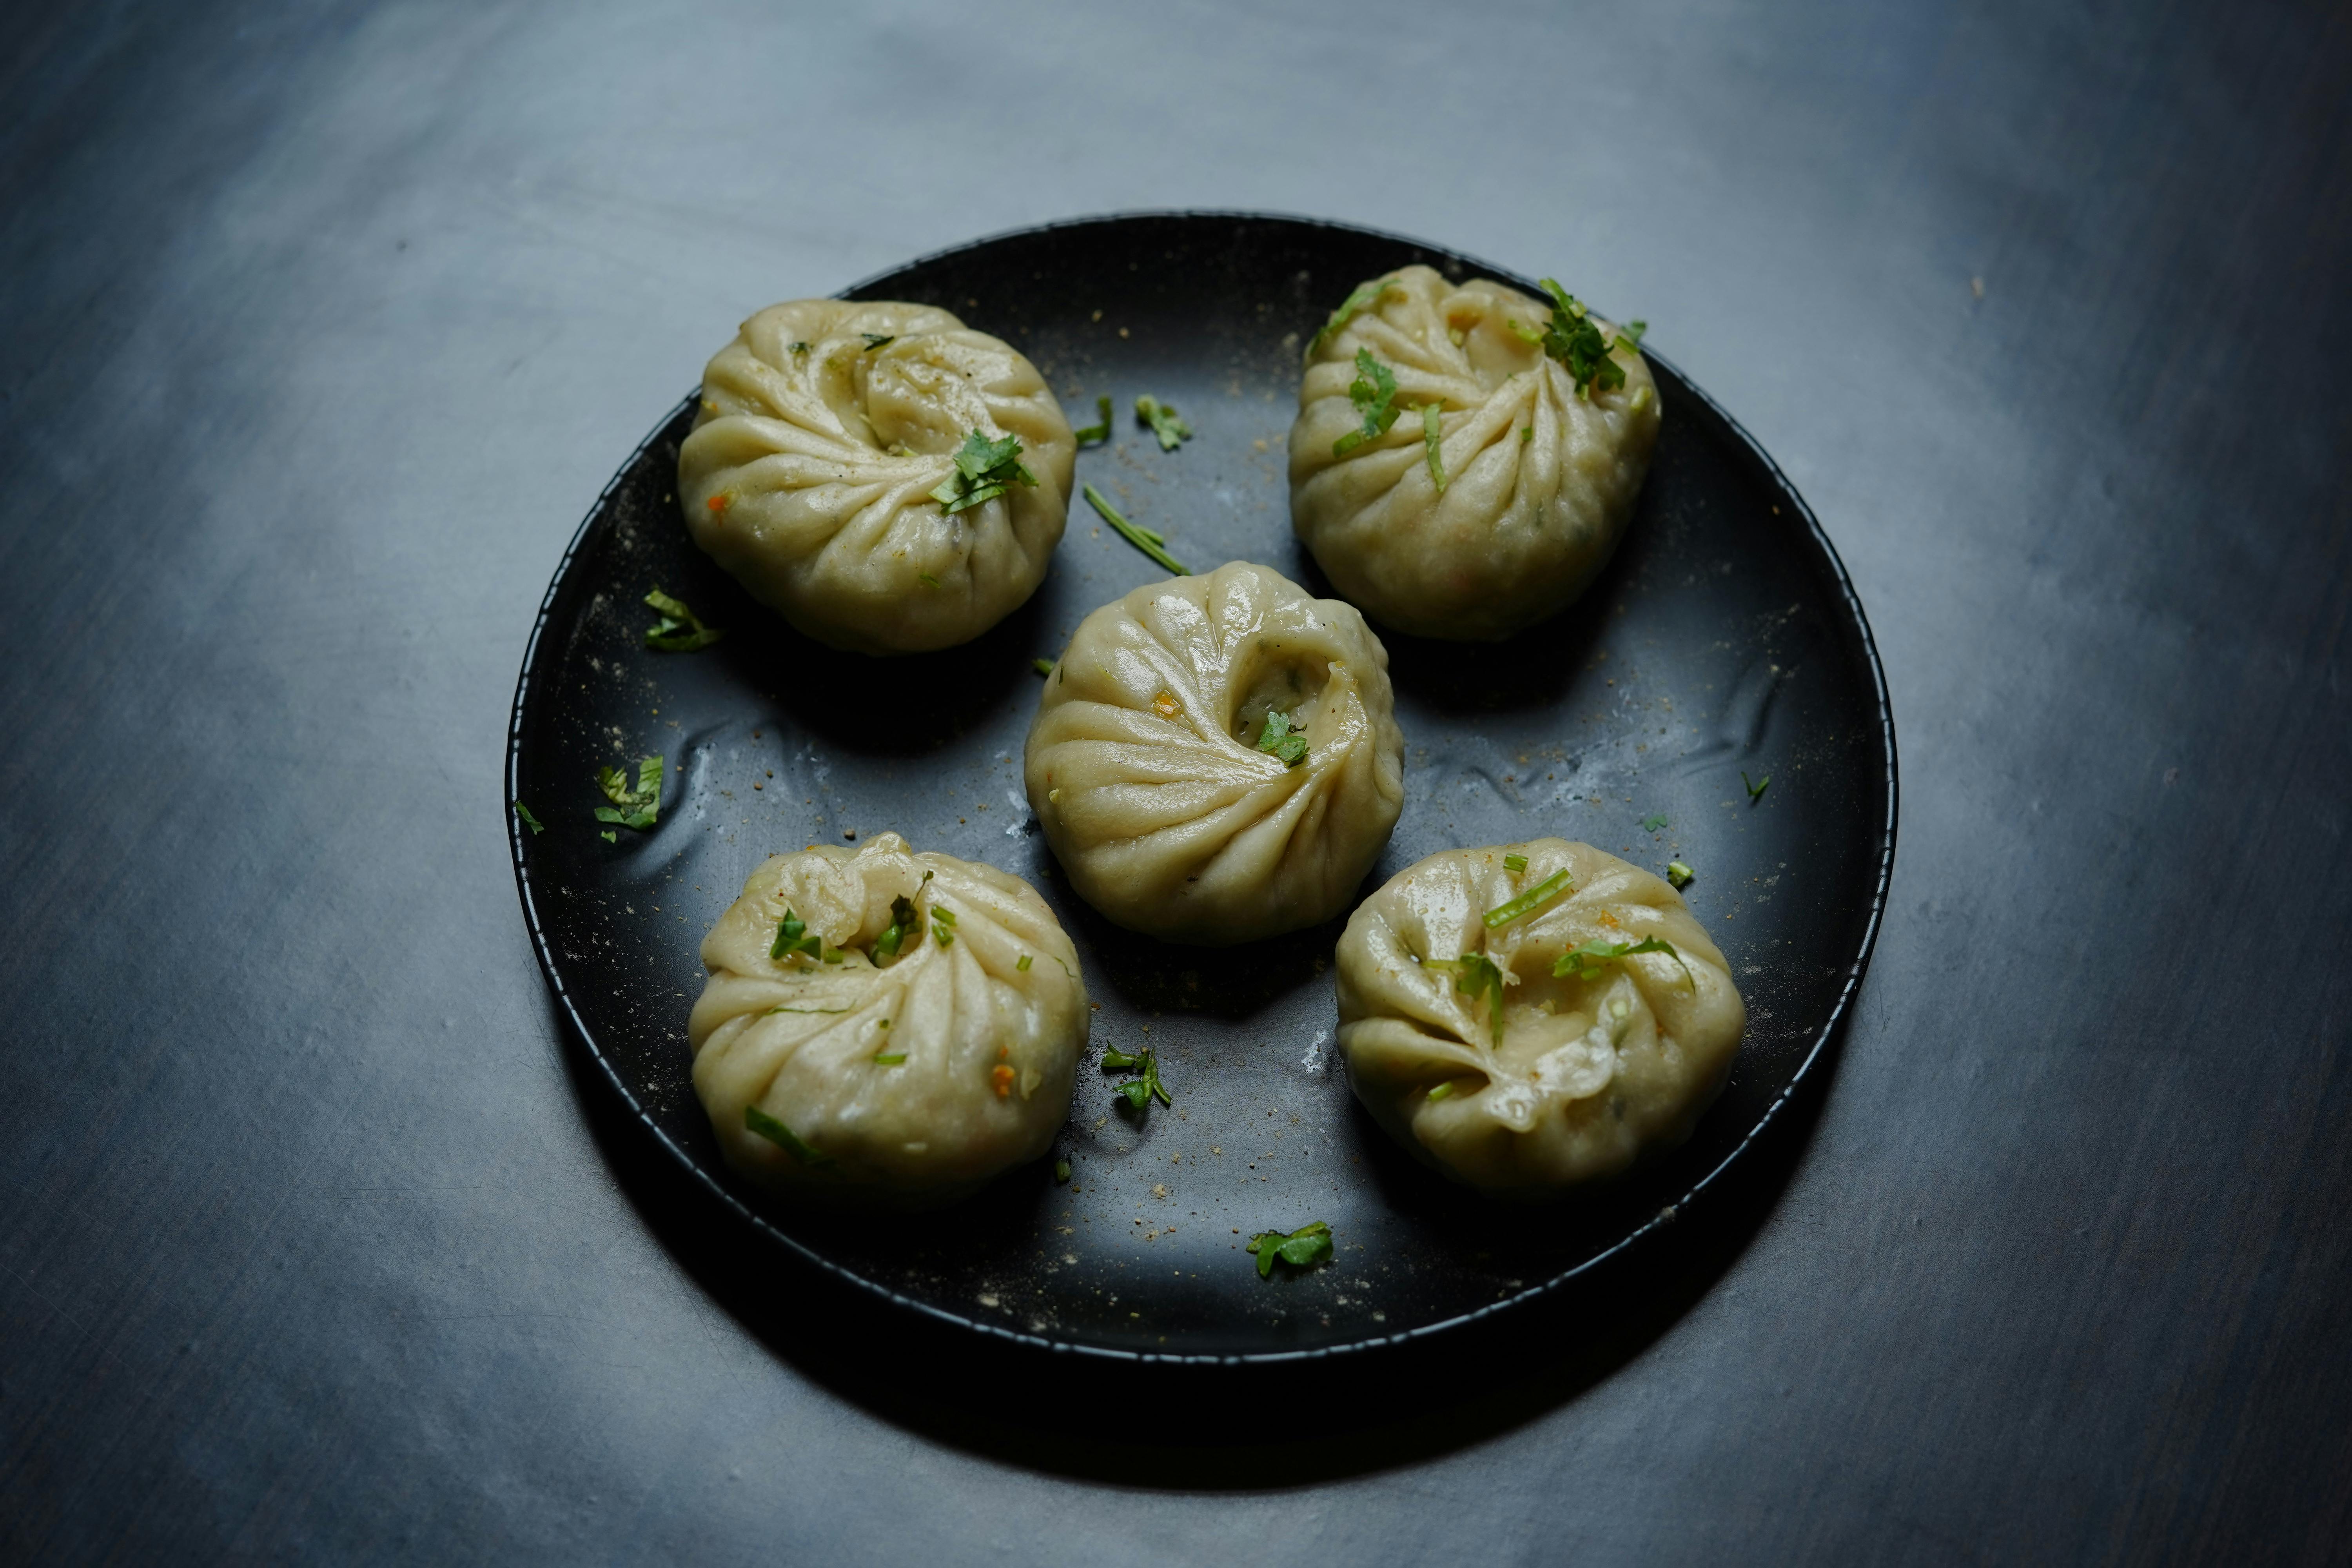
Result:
[[824, 427], [1540, 481], [990, 1025], [1144, 768], [1594, 1071]]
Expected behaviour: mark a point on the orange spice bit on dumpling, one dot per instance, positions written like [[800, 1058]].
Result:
[[1611, 921], [1164, 703], [719, 502], [1002, 1077]]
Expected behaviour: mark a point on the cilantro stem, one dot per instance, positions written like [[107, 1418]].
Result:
[[1143, 539], [1095, 434], [1534, 899]]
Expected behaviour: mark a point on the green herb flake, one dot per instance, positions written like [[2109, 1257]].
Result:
[[1679, 875], [1515, 863], [927, 580], [528, 821], [811, 1010], [1574, 339], [1143, 539], [1062, 1171], [1042, 666], [1583, 962], [679, 630], [785, 1138], [1173, 432], [637, 807], [1365, 297], [1301, 1249], [984, 470], [1441, 1090], [1756, 791], [609, 836], [894, 935], [1526, 433], [1652, 823], [793, 935], [1431, 433], [1531, 900], [1024, 965], [877, 340], [1476, 975], [943, 925], [1373, 392], [1095, 434], [800, 348], [1280, 740], [889, 1058], [1142, 1089]]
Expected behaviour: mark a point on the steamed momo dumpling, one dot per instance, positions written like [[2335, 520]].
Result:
[[1216, 759], [825, 428], [1538, 480], [1602, 1057], [955, 969]]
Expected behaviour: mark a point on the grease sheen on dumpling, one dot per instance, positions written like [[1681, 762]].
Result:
[[1540, 481], [1593, 1071], [1144, 768], [991, 1042], [824, 427]]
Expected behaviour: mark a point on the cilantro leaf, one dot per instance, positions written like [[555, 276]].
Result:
[[1281, 740], [1531, 900], [894, 935], [1431, 433], [1679, 876], [783, 1137], [1173, 432], [1302, 1249], [1373, 392], [1583, 961], [984, 470], [528, 821], [1652, 823], [1143, 539], [679, 630], [1576, 342], [637, 807], [1364, 298], [1755, 790], [1062, 1171], [610, 837], [793, 935], [1141, 1090], [877, 340], [1475, 974], [1099, 432]]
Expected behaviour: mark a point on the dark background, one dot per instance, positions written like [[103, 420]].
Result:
[[320, 328]]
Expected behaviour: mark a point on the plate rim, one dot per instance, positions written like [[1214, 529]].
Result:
[[518, 839]]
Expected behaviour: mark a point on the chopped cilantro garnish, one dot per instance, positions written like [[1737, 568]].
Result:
[[1679, 875], [793, 935], [679, 630], [783, 1137], [1583, 961], [1632, 333], [1441, 1090], [1301, 1249], [1652, 823], [1531, 900], [1279, 740], [809, 1010], [638, 807], [1173, 432], [800, 348], [943, 925], [1756, 791], [1142, 538], [1099, 432], [1365, 297], [1431, 433], [894, 935], [1475, 974], [528, 821], [1576, 342], [1373, 392], [1515, 862], [1042, 666], [1526, 433], [1062, 1171], [1139, 1090], [609, 836], [984, 470], [889, 1058], [1024, 965], [875, 340]]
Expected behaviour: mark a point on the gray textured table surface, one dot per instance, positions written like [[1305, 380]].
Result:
[[320, 326]]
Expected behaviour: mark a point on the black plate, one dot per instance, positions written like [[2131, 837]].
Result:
[[1725, 637]]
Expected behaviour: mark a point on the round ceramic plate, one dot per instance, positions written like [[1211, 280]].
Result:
[[1724, 639]]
